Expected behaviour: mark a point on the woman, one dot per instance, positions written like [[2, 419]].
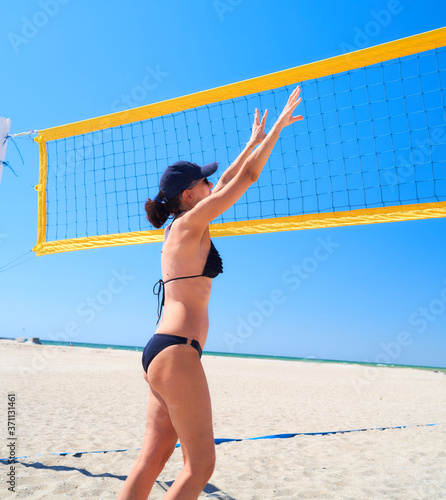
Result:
[[179, 404]]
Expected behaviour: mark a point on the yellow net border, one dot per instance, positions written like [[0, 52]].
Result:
[[345, 62], [293, 223]]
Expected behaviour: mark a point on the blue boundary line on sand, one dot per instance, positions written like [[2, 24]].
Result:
[[229, 440]]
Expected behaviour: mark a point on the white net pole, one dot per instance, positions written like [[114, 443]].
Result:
[[5, 125]]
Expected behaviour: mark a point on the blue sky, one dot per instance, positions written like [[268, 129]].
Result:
[[367, 293]]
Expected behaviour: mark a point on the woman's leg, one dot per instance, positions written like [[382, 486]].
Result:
[[178, 376], [159, 443]]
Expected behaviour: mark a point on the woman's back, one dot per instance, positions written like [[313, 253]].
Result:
[[188, 262]]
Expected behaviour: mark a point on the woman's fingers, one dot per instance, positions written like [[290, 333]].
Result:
[[293, 102], [294, 99], [258, 128], [285, 118], [256, 118], [294, 106], [294, 95]]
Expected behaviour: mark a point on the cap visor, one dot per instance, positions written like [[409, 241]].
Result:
[[209, 169]]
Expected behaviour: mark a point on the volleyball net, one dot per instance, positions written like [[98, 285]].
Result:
[[372, 148]]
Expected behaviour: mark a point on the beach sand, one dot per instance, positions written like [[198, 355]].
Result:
[[73, 399]]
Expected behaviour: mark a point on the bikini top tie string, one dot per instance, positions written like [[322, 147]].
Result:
[[158, 289]]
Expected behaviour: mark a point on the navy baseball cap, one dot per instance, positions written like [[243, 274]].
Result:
[[180, 175]]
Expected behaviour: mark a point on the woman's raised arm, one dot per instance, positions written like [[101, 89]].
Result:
[[257, 136], [248, 172]]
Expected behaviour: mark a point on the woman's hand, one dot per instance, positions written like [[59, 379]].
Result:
[[247, 167], [258, 129], [286, 117]]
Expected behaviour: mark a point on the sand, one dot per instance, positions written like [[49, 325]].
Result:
[[73, 399]]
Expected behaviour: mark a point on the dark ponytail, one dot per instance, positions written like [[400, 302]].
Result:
[[158, 212]]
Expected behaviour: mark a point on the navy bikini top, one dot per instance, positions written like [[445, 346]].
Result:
[[212, 268]]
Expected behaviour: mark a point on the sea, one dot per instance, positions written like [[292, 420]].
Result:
[[237, 355]]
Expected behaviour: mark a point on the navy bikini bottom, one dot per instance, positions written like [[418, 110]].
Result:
[[162, 340]]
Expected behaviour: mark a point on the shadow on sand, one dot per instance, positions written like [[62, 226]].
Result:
[[210, 490]]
